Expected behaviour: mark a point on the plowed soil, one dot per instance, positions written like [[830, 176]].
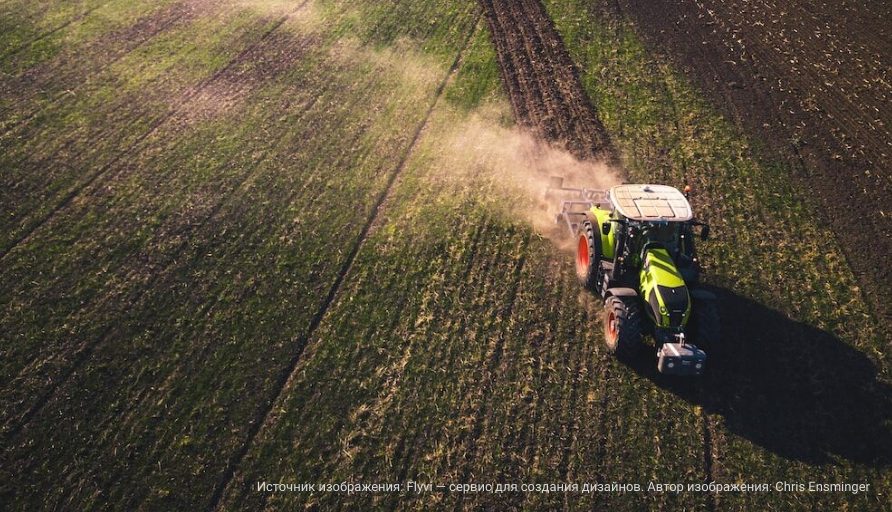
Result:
[[812, 79], [251, 241], [541, 80]]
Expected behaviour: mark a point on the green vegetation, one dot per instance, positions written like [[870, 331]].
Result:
[[32, 33], [770, 247], [177, 216], [180, 283]]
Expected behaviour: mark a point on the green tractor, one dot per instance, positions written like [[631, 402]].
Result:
[[635, 250]]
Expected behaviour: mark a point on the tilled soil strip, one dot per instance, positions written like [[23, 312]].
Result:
[[547, 96], [542, 81], [820, 106]]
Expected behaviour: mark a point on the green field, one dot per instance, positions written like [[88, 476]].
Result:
[[300, 242]]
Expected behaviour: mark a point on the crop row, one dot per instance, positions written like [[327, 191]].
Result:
[[801, 350], [155, 315]]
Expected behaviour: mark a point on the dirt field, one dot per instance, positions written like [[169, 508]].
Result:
[[303, 242], [811, 79], [541, 80]]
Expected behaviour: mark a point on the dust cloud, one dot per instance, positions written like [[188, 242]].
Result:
[[520, 166]]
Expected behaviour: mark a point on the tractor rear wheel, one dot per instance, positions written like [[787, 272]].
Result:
[[706, 323], [622, 326], [588, 255]]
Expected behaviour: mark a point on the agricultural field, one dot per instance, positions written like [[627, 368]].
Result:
[[304, 242], [812, 79]]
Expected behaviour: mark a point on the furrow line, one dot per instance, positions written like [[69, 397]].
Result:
[[707, 456], [154, 127], [539, 353], [50, 32], [106, 64], [554, 123], [587, 137], [406, 450], [495, 360], [288, 374], [534, 60], [509, 75], [570, 443], [510, 45], [84, 355], [602, 423]]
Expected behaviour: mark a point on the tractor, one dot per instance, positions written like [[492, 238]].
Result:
[[635, 250]]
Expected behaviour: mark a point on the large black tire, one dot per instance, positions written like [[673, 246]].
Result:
[[588, 255], [705, 323], [622, 326]]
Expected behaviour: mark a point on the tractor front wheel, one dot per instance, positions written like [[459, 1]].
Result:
[[622, 326], [588, 255]]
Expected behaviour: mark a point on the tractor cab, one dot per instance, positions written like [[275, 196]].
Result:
[[654, 217]]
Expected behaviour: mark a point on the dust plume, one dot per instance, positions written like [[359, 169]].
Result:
[[519, 166]]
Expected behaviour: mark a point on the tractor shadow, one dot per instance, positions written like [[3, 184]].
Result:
[[798, 391]]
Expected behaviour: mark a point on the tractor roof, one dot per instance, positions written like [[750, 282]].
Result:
[[651, 202]]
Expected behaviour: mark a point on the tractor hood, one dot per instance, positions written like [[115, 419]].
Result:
[[664, 290]]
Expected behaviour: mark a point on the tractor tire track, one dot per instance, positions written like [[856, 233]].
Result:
[[13, 429], [288, 375], [111, 166]]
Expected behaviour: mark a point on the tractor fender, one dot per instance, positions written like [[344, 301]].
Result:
[[620, 292], [699, 294], [598, 217]]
